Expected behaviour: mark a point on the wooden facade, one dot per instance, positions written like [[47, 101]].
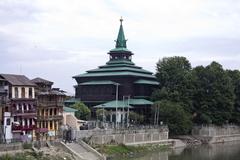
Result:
[[49, 109]]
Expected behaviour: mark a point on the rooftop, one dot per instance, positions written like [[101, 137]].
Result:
[[68, 109], [122, 104], [41, 80], [17, 80]]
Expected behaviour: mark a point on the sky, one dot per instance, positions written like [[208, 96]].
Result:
[[57, 39]]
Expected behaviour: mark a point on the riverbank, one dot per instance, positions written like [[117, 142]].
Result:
[[32, 155], [128, 151], [45, 153]]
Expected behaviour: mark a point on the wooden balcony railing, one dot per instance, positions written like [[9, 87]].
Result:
[[24, 112], [23, 128], [49, 117], [49, 103]]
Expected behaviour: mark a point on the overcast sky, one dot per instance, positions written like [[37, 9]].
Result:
[[57, 39]]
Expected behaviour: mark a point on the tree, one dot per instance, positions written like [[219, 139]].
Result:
[[175, 79], [136, 118], [172, 113], [83, 112], [102, 114], [235, 77], [214, 96]]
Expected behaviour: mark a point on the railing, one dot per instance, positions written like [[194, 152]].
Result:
[[23, 128], [24, 111], [48, 117], [50, 103]]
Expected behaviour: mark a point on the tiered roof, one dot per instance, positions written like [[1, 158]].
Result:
[[122, 66]]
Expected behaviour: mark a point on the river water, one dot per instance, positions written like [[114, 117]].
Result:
[[225, 151]]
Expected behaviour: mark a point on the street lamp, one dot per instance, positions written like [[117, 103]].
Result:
[[117, 84]]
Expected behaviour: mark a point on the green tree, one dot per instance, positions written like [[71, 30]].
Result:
[[101, 114], [83, 112], [235, 77], [136, 118], [214, 96], [175, 79], [172, 113]]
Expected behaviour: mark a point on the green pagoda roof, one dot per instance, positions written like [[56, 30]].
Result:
[[120, 64], [119, 69], [143, 81], [98, 83], [121, 73], [121, 104]]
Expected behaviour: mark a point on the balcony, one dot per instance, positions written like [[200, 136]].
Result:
[[41, 130], [49, 103], [31, 112], [23, 128], [49, 118]]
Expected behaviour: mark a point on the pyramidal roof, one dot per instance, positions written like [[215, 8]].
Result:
[[120, 66]]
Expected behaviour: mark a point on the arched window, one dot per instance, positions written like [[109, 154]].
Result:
[[16, 92], [30, 93], [23, 92]]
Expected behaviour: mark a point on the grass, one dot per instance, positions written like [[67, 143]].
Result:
[[31, 156], [122, 149]]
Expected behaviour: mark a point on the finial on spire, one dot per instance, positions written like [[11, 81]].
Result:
[[121, 19]]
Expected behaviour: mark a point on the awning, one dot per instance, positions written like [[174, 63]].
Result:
[[143, 81], [112, 104], [121, 104]]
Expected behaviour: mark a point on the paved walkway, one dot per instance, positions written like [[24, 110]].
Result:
[[82, 152]]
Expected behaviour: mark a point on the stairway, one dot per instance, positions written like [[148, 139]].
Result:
[[82, 152]]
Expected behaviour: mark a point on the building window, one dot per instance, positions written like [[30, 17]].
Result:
[[23, 92], [55, 111], [8, 121], [51, 124], [50, 111], [30, 93], [16, 92], [24, 107]]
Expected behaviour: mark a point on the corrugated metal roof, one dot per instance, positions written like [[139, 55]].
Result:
[[41, 80], [17, 80], [52, 92], [68, 109], [144, 81], [112, 104]]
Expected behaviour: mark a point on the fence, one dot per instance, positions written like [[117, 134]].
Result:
[[135, 129], [212, 130]]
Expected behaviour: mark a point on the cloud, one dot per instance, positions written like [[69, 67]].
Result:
[[58, 39]]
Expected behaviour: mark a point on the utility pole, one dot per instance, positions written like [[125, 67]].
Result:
[[128, 100], [116, 103]]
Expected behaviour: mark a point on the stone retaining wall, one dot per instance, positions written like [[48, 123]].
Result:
[[217, 134], [128, 138]]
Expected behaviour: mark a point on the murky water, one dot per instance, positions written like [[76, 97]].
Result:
[[226, 151]]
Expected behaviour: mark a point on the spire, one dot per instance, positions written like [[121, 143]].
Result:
[[121, 41]]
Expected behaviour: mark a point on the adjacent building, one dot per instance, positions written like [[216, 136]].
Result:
[[118, 83], [49, 109], [19, 112]]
